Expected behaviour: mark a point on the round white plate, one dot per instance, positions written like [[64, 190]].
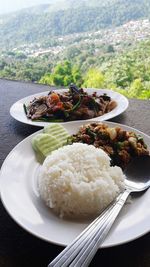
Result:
[[20, 196], [17, 111]]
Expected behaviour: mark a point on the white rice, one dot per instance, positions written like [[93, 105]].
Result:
[[77, 181]]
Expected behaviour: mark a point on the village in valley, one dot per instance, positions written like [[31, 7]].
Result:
[[128, 34]]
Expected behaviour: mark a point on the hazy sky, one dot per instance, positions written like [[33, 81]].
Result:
[[13, 5]]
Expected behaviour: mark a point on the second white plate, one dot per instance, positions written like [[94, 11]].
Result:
[[17, 110]]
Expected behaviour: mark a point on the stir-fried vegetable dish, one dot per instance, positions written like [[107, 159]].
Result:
[[119, 144], [75, 104]]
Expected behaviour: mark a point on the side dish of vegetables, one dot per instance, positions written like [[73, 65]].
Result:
[[74, 104]]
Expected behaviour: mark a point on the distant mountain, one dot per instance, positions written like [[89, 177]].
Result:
[[68, 16]]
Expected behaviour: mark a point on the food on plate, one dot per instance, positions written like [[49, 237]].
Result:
[[43, 145], [74, 104], [78, 178], [119, 144], [77, 181], [58, 131], [53, 137]]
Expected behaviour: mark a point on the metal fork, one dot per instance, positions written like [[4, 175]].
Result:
[[72, 250]]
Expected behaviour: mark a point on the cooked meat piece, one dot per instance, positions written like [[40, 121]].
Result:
[[89, 114], [124, 157], [68, 105], [40, 111], [86, 139], [121, 134], [108, 149], [84, 113], [141, 150], [111, 105]]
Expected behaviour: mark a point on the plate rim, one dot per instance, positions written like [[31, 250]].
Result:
[[40, 236], [42, 124]]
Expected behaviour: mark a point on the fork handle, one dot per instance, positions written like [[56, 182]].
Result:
[[71, 251], [88, 251]]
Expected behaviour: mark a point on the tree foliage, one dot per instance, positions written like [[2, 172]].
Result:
[[94, 78], [127, 72], [63, 75]]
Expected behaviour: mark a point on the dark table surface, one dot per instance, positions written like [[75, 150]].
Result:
[[20, 249]]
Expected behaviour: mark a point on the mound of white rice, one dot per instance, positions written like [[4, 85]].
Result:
[[77, 181]]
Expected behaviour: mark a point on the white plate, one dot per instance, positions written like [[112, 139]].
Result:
[[17, 111], [19, 194]]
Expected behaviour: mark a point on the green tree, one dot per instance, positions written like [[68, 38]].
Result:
[[77, 76], [46, 79], [63, 74], [135, 89], [58, 80], [94, 78]]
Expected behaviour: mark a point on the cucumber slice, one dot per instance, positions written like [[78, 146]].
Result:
[[40, 157], [58, 131], [43, 144]]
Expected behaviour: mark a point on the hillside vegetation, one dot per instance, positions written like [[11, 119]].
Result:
[[83, 42], [34, 25], [127, 72]]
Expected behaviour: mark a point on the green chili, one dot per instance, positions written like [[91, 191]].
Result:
[[25, 109]]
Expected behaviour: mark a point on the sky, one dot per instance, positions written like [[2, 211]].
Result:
[[7, 6]]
